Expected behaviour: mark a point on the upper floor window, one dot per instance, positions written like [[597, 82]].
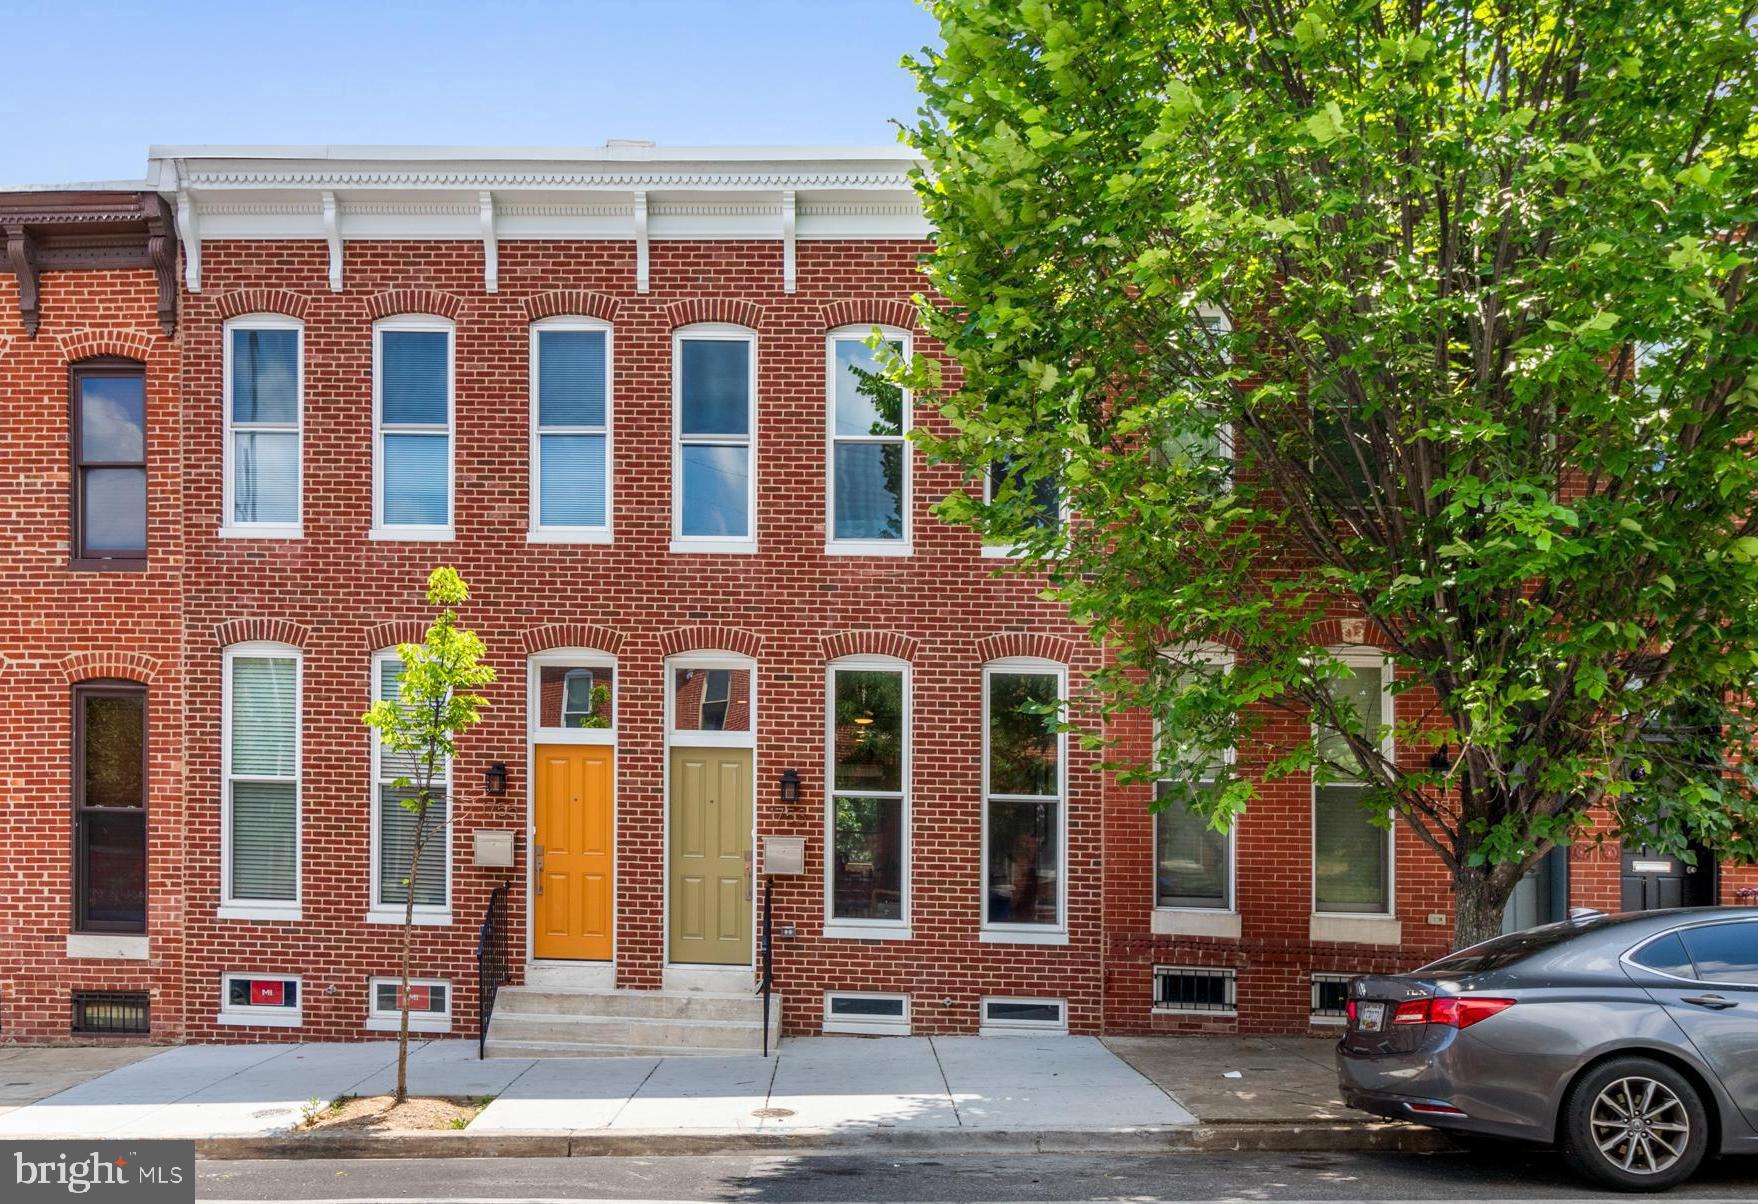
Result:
[[571, 435], [1352, 854], [412, 428], [1023, 823], [109, 807], [260, 768], [869, 459], [1205, 441], [1044, 508], [109, 464], [714, 482], [263, 389]]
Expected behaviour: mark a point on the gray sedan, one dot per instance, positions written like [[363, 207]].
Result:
[[1629, 1041]]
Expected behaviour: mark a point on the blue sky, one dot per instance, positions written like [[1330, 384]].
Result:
[[99, 82]]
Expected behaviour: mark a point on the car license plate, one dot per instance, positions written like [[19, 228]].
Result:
[[1373, 1017]]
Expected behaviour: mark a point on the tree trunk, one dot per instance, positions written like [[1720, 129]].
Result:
[[1480, 896], [402, 1095]]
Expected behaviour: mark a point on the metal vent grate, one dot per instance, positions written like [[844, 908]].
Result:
[[1330, 996], [110, 1013], [1195, 989]]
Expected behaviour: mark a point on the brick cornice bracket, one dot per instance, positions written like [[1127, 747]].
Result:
[[870, 311], [128, 666], [710, 638], [85, 344], [413, 301], [398, 631], [261, 631], [1024, 643], [570, 302], [259, 301], [870, 643], [714, 309], [21, 261], [572, 635], [161, 250]]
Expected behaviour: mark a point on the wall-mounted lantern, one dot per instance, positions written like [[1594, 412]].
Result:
[[494, 778], [790, 785]]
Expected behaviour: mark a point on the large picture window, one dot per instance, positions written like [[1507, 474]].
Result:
[[109, 807], [571, 452], [1023, 822], [263, 413], [412, 435], [714, 488], [1352, 855], [109, 464], [869, 795], [260, 749], [869, 458], [393, 824]]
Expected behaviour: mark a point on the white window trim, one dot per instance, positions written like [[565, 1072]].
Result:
[[1229, 973], [257, 1016], [1019, 1028], [725, 544], [392, 913], [905, 545], [229, 527], [262, 909], [1219, 658], [871, 1026], [857, 929], [379, 1021], [381, 530], [553, 533], [1358, 656], [572, 658], [1010, 933]]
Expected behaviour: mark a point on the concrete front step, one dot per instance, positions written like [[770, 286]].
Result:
[[554, 1022], [498, 1048], [625, 1030], [654, 1005]]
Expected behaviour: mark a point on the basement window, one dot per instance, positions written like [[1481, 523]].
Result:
[[863, 1012], [430, 1005], [1202, 990], [1330, 998], [1023, 1017], [260, 999], [110, 1014]]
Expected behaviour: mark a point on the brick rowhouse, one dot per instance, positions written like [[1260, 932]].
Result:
[[772, 249]]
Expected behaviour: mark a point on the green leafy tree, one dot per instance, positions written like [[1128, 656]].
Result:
[[437, 699], [1437, 314]]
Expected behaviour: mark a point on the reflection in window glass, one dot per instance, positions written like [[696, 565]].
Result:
[[1023, 862], [1724, 952], [714, 437], [867, 794], [575, 696], [711, 700], [868, 454], [110, 463]]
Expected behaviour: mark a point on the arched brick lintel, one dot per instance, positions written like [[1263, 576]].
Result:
[[1010, 644], [572, 635], [710, 639], [413, 301], [572, 302], [399, 631], [714, 309], [261, 631], [88, 344], [260, 301], [870, 311], [127, 666], [1332, 633], [870, 643]]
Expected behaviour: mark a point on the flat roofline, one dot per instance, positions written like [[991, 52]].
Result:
[[85, 186], [616, 153]]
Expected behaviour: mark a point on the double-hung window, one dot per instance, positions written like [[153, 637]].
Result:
[[109, 465], [1042, 495], [109, 807], [1024, 754], [260, 755], [869, 798], [714, 482], [1203, 439], [571, 431], [1193, 862], [394, 824], [263, 409], [869, 458], [1352, 855], [412, 428]]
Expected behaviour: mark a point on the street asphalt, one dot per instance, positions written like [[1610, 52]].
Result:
[[1191, 1178]]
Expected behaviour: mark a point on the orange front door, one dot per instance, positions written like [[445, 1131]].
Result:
[[575, 852]]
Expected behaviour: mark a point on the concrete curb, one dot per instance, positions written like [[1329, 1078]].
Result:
[[1342, 1137]]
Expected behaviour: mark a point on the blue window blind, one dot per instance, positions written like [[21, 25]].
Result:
[[265, 376], [571, 472], [570, 378], [415, 474], [715, 388], [415, 367]]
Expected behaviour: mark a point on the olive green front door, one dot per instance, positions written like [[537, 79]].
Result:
[[709, 860]]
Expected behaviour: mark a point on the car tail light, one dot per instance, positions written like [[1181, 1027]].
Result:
[[1454, 1011], [1349, 1011]]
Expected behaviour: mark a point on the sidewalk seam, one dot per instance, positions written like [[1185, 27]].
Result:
[[628, 1099], [946, 1083]]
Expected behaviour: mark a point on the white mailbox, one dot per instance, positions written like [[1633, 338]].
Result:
[[784, 854], [494, 849]]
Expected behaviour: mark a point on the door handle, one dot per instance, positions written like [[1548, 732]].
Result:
[[537, 866], [1714, 1003]]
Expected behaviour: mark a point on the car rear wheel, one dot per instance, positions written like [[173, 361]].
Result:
[[1636, 1125]]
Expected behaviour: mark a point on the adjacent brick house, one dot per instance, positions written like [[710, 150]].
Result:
[[622, 391]]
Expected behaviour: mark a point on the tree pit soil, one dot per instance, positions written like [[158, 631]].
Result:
[[377, 1114]]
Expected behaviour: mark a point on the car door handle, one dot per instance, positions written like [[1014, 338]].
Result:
[[1713, 1002]]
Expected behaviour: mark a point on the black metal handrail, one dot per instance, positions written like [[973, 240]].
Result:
[[491, 962], [767, 985]]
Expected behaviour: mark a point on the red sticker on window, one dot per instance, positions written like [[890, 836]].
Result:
[[418, 999], [268, 992]]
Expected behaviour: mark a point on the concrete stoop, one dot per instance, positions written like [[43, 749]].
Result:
[[555, 1022]]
